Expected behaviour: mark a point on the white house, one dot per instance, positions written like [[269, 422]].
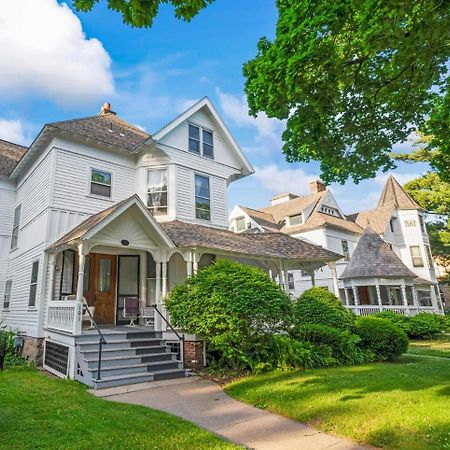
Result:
[[387, 262], [100, 218]]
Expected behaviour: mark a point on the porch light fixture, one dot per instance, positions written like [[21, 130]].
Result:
[[124, 242]]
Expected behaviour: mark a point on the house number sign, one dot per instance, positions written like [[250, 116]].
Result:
[[410, 223]]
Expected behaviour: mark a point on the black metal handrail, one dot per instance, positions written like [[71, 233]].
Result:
[[180, 337], [101, 341]]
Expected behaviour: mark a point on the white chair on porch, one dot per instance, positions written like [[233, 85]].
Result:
[[86, 310], [131, 306]]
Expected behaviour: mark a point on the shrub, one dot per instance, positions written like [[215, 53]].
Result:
[[233, 306], [343, 344], [318, 305], [425, 326], [8, 357], [381, 337], [397, 319]]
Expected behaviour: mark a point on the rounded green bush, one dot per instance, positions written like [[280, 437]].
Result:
[[425, 326], [397, 319], [381, 337], [318, 305]]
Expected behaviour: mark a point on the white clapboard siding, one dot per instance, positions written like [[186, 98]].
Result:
[[7, 200], [72, 182], [219, 208], [185, 194]]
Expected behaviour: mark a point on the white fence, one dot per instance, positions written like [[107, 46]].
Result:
[[367, 310], [61, 315]]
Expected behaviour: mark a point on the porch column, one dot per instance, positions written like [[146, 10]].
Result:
[[313, 278], [415, 299], [281, 278], [355, 294], [332, 266], [286, 280], [347, 302], [189, 266], [158, 320], [143, 280], [164, 291], [79, 295], [380, 304], [404, 299]]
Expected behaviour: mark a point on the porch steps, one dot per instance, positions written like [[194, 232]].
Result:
[[128, 357]]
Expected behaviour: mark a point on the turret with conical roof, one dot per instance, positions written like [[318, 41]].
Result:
[[394, 195]]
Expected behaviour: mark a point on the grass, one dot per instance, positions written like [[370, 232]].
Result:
[[437, 347], [38, 412], [403, 405]]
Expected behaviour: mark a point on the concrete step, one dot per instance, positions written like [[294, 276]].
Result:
[[124, 351], [114, 335], [115, 361], [129, 369], [93, 345]]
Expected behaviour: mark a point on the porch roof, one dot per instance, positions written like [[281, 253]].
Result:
[[374, 258], [269, 245]]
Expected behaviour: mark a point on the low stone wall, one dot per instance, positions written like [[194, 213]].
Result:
[[193, 354], [33, 349]]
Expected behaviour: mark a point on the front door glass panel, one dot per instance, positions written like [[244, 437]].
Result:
[[104, 275]]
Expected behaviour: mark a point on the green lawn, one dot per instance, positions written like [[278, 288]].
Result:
[[37, 412], [437, 347], [404, 405]]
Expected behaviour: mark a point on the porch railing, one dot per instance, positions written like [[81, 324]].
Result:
[[367, 310], [179, 336], [61, 316]]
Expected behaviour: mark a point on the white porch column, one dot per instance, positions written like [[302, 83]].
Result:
[[313, 278], [286, 280], [355, 294], [404, 299], [194, 263], [189, 266], [332, 266], [347, 301], [281, 278], [380, 303], [79, 295], [158, 320], [143, 279], [415, 299], [163, 291]]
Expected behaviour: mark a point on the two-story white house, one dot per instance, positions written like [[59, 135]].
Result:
[[387, 262], [99, 220]]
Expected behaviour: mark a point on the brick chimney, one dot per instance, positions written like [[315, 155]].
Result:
[[106, 109], [317, 186]]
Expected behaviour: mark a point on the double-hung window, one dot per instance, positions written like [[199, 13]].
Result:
[[66, 286], [291, 282], [7, 294], [15, 230], [202, 198], [429, 256], [101, 183], [157, 191], [345, 250], [201, 141], [33, 283], [416, 256]]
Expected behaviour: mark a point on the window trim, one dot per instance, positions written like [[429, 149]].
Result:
[[201, 128], [16, 227], [209, 199], [166, 168], [238, 230], [414, 263], [429, 256], [61, 293], [291, 281], [33, 283], [8, 290], [103, 197]]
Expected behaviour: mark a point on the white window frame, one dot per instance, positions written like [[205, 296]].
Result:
[[242, 218], [291, 281], [167, 190], [294, 217], [16, 227], [209, 199], [429, 255], [345, 252], [33, 283], [423, 227], [103, 197], [201, 142], [7, 294], [415, 259]]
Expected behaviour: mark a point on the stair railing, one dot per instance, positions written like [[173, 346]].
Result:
[[180, 337], [101, 342]]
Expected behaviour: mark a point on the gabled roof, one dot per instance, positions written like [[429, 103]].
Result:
[[106, 127], [10, 155], [263, 219], [206, 103], [267, 245], [395, 196], [374, 258]]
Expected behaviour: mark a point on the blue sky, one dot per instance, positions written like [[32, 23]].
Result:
[[58, 64]]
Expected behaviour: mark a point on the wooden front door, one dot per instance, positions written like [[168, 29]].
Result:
[[363, 295], [103, 287]]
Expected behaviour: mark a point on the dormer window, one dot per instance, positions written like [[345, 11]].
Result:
[[240, 224], [329, 210], [297, 219], [201, 141]]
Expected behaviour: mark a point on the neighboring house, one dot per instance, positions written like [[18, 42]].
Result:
[[97, 211], [387, 261]]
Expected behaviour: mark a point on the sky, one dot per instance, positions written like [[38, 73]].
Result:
[[59, 64]]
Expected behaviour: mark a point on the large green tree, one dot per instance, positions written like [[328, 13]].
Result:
[[350, 77]]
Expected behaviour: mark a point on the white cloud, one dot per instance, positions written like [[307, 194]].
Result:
[[235, 108], [13, 131], [278, 180], [45, 53]]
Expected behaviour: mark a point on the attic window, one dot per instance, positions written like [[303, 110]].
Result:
[[296, 220], [201, 141], [329, 210], [240, 223]]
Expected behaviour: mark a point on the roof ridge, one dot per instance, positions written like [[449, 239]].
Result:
[[13, 143]]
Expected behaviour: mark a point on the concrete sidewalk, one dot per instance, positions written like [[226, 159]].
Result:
[[204, 403]]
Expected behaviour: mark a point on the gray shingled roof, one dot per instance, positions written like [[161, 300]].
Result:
[[107, 128], [269, 245], [10, 155], [374, 258]]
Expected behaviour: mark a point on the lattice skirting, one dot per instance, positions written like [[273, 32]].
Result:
[[56, 357]]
